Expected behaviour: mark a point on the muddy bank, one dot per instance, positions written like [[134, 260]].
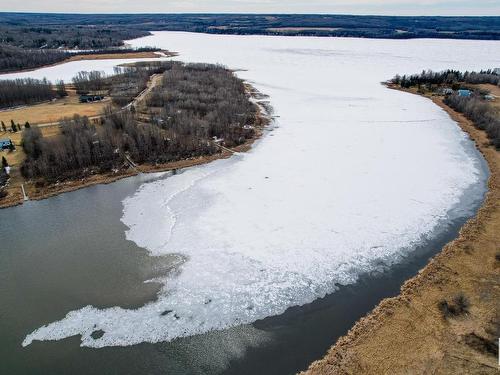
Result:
[[411, 333]]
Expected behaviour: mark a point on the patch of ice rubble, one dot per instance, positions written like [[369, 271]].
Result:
[[354, 176]]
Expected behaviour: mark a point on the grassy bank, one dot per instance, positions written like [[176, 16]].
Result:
[[430, 327], [52, 111]]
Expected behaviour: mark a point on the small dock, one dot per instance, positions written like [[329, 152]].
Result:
[[25, 197]]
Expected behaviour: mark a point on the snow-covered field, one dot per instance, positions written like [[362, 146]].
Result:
[[353, 177]]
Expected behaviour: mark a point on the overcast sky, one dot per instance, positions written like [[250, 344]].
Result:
[[388, 7]]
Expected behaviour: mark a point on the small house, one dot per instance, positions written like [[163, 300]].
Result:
[[464, 93], [5, 144], [89, 98], [489, 97], [85, 98], [445, 91]]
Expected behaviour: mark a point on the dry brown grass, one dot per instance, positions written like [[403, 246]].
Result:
[[111, 56], [495, 91], [16, 157], [51, 112], [46, 114]]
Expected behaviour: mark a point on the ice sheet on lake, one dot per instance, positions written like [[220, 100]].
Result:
[[351, 179], [68, 70]]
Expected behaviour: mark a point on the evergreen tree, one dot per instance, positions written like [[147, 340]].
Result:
[[5, 163], [27, 125], [4, 128], [13, 126]]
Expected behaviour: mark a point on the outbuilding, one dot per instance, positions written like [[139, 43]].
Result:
[[5, 144], [91, 98], [464, 93], [446, 91]]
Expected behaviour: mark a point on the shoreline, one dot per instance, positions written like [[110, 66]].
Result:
[[408, 333], [262, 120], [100, 56]]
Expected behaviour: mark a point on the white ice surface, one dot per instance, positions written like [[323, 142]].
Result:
[[68, 70], [353, 176]]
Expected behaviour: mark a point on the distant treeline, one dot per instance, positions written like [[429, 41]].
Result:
[[213, 99], [49, 32], [15, 58], [25, 91], [86, 30], [447, 77], [30, 32]]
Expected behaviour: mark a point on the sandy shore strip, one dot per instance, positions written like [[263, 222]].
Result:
[[409, 334]]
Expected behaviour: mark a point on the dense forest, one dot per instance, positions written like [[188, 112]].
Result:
[[84, 147], [24, 91], [28, 42], [197, 101], [85, 29], [15, 58], [484, 115], [31, 33], [204, 101], [126, 82], [129, 80]]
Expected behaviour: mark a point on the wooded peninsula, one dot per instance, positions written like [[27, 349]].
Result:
[[159, 114]]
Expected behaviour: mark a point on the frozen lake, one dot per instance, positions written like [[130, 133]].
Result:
[[351, 179], [68, 70]]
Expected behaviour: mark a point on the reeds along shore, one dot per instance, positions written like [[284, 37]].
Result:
[[446, 320]]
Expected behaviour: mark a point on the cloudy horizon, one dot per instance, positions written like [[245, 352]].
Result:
[[360, 7]]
